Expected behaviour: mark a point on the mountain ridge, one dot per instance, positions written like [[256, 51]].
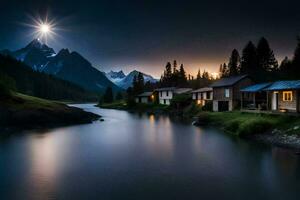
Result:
[[67, 65]]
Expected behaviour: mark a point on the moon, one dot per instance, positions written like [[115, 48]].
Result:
[[44, 28]]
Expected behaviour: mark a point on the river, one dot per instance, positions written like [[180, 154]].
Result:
[[134, 156]]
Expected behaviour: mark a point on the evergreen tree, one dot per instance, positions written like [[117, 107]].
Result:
[[295, 72], [265, 57], [199, 75], [138, 84], [234, 63], [286, 68], [119, 96], [108, 96], [249, 63], [182, 81]]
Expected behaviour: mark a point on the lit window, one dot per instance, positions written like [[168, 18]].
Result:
[[227, 93], [288, 96]]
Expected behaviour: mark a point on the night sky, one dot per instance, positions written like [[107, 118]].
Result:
[[144, 35]]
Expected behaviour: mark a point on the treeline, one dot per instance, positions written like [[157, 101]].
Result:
[[33, 83], [260, 63], [173, 77]]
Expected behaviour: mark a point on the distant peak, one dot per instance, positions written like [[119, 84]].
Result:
[[34, 43], [63, 52]]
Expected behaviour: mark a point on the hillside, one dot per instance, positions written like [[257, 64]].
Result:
[[19, 111], [42, 85]]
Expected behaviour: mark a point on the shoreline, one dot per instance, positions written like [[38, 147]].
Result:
[[270, 134], [21, 113]]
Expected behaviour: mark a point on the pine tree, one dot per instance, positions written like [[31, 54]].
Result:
[[199, 75], [108, 96], [249, 63], [265, 57], [119, 96], [182, 80], [286, 69], [234, 63], [295, 72]]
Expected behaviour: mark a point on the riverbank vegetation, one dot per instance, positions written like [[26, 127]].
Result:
[[246, 124]]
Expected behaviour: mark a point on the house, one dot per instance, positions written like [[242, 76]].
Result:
[[202, 95], [254, 97], [284, 96], [146, 97], [226, 92], [165, 95]]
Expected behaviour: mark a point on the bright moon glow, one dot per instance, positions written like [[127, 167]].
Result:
[[44, 28]]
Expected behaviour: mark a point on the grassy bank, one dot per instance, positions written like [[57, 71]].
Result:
[[18, 111], [247, 124], [150, 108]]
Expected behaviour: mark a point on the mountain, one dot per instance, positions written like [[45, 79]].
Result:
[[115, 76], [125, 82], [66, 65]]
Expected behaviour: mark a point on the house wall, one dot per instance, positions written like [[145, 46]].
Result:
[[291, 106], [143, 100], [234, 94], [238, 86], [165, 97], [197, 96], [165, 101]]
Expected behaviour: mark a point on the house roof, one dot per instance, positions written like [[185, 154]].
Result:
[[228, 81], [182, 90], [205, 89], [165, 89], [256, 87], [284, 85], [145, 94]]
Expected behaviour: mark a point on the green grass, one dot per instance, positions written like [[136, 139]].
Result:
[[140, 107], [245, 124], [20, 101], [120, 105]]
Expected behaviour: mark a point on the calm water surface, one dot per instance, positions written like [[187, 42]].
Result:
[[131, 156]]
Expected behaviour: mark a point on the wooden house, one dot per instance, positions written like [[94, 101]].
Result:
[[165, 95], [226, 92], [254, 97], [284, 96], [202, 95], [146, 97]]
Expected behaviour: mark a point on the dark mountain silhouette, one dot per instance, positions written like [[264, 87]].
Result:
[[70, 66]]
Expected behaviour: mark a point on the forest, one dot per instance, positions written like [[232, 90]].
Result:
[[260, 63]]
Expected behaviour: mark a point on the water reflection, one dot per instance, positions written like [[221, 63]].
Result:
[[43, 160], [136, 156]]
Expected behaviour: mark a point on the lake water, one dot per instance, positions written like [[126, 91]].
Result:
[[131, 156]]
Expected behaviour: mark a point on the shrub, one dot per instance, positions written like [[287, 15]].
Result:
[[208, 106], [181, 100], [254, 126], [233, 125]]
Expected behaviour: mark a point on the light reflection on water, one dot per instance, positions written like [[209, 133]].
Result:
[[132, 156]]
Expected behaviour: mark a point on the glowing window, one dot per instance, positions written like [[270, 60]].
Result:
[[288, 96]]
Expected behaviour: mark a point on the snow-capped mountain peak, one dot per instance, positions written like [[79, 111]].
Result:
[[125, 81]]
